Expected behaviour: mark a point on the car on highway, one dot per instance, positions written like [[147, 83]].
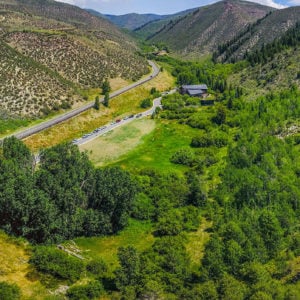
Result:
[[138, 115], [118, 120]]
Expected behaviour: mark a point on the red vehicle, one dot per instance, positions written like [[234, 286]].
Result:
[[118, 121]]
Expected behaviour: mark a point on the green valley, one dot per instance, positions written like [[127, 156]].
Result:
[[198, 200]]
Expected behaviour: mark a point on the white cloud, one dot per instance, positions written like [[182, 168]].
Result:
[[295, 2], [270, 3], [81, 3]]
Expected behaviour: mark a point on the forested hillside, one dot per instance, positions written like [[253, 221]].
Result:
[[52, 51], [272, 67], [264, 31], [199, 33]]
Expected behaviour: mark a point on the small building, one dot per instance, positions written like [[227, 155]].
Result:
[[199, 90]]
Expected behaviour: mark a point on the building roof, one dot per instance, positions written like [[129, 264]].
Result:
[[195, 87], [195, 92]]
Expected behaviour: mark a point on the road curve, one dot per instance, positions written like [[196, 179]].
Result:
[[106, 128], [68, 115]]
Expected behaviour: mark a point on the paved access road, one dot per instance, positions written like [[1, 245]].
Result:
[[68, 115], [120, 122]]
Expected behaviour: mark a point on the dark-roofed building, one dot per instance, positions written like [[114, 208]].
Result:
[[199, 90]]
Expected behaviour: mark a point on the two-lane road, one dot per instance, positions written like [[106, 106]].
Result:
[[68, 115]]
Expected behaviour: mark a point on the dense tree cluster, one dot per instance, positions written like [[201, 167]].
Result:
[[64, 197]]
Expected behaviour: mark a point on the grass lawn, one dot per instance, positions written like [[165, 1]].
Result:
[[127, 103], [109, 147], [158, 147], [137, 234]]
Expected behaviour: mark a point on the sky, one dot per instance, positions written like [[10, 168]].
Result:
[[120, 7]]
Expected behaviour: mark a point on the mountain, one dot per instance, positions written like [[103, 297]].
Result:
[[264, 31], [199, 33], [148, 29], [128, 21], [133, 21], [50, 51], [136, 21]]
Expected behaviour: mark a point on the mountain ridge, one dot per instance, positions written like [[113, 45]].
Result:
[[267, 29], [201, 31]]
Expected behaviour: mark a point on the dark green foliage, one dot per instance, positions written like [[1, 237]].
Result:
[[14, 149], [97, 103], [57, 263], [97, 267], [92, 290], [130, 268], [9, 291], [113, 195], [106, 99], [105, 87], [220, 117], [153, 91], [212, 139], [64, 198], [146, 103]]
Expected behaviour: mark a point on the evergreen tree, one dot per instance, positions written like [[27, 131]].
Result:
[[105, 86], [106, 100], [97, 103]]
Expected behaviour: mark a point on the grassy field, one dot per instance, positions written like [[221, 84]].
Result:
[[137, 234], [14, 268], [158, 147], [108, 148], [120, 106]]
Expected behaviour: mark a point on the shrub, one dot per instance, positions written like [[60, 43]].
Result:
[[183, 157], [172, 224], [145, 103], [201, 141], [9, 291], [89, 291], [143, 209], [57, 263], [97, 267], [206, 140]]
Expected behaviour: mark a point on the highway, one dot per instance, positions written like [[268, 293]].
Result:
[[115, 124], [70, 114]]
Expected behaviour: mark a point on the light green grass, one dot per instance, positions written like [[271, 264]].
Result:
[[196, 242], [158, 147], [109, 147], [137, 234]]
